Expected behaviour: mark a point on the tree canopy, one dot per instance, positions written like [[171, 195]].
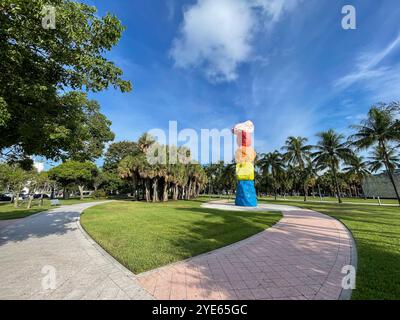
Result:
[[37, 67], [116, 152], [74, 173]]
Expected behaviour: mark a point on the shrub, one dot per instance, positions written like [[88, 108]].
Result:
[[99, 194]]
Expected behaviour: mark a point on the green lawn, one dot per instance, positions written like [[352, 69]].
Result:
[[377, 234], [332, 199], [311, 199], [7, 210], [143, 236]]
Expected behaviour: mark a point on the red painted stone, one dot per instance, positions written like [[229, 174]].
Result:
[[244, 139]]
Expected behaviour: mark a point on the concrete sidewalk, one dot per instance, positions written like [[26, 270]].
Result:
[[51, 245]]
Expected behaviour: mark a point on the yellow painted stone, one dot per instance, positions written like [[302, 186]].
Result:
[[245, 171]]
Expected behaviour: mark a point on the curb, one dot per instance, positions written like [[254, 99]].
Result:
[[129, 274], [347, 293]]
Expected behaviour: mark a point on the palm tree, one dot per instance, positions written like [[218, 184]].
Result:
[[381, 128], [378, 159], [297, 153], [229, 177], [130, 168], [357, 170], [272, 164], [331, 151]]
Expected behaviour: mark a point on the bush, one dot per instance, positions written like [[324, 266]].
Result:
[[99, 194]]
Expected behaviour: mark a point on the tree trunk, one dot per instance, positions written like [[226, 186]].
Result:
[[184, 192], [179, 192], [165, 191], [155, 190], [30, 198], [356, 191], [175, 192], [391, 177], [41, 198], [188, 190], [29, 202], [305, 192], [390, 173], [16, 196], [147, 190], [336, 184], [80, 191]]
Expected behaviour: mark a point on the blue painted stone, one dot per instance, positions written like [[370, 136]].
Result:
[[246, 194]]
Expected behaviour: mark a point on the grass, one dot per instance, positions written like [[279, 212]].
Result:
[[377, 234], [143, 236], [332, 199], [312, 199], [7, 210]]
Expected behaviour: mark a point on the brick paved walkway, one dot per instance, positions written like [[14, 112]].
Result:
[[299, 258]]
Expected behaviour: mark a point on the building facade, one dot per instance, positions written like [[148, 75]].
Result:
[[380, 186]]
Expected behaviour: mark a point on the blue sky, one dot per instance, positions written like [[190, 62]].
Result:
[[287, 65]]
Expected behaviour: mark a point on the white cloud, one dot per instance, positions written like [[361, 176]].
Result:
[[368, 69], [218, 35]]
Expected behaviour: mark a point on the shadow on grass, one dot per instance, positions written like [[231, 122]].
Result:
[[205, 234], [378, 274], [20, 213]]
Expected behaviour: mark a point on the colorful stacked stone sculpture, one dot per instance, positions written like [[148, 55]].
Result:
[[245, 155]]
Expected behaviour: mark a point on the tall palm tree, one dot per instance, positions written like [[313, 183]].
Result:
[[130, 168], [357, 170], [331, 151], [297, 153], [272, 164], [381, 129], [229, 177], [378, 159]]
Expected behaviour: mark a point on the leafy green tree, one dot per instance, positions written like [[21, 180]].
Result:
[[116, 152], [14, 179], [331, 152], [75, 173], [380, 130], [4, 114], [298, 153], [89, 130], [43, 183], [37, 67], [112, 182]]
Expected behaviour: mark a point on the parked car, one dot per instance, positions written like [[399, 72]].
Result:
[[39, 195], [23, 196], [5, 197]]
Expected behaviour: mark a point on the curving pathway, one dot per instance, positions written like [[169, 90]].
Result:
[[301, 257], [52, 243]]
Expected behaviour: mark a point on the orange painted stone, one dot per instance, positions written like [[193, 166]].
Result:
[[245, 154]]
